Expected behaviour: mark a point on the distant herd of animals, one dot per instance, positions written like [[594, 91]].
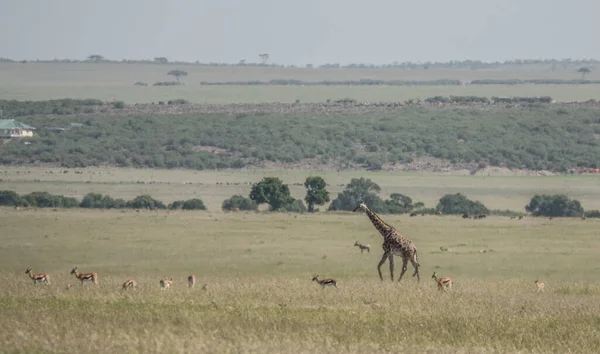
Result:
[[394, 244]]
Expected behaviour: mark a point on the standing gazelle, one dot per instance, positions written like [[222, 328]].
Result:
[[540, 286], [40, 277], [191, 280], [93, 276], [325, 282], [443, 283], [362, 247], [166, 283], [129, 284]]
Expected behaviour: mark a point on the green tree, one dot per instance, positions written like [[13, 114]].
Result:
[[357, 191], [459, 204], [177, 73], [239, 202], [145, 202], [194, 204], [316, 194], [272, 191], [95, 57], [9, 198], [554, 205], [583, 72], [399, 204]]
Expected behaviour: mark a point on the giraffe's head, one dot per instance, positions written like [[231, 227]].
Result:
[[361, 207]]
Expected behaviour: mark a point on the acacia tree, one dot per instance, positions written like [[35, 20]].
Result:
[[264, 57], [583, 72], [95, 57], [272, 191], [177, 73], [316, 194]]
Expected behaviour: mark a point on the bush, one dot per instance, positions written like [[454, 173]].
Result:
[[592, 214], [239, 202], [9, 198], [554, 205], [145, 202], [295, 206], [459, 204], [47, 200], [118, 104], [272, 191], [193, 204], [99, 201]]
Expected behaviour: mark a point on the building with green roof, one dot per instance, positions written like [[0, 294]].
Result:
[[10, 128]]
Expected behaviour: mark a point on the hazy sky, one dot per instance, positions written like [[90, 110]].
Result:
[[300, 31]]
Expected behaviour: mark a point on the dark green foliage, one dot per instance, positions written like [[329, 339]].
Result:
[[316, 192], [145, 202], [240, 202], [118, 104], [193, 204], [359, 190], [65, 106], [99, 201], [534, 138], [177, 73], [47, 200], [272, 191], [554, 205], [176, 205], [459, 204], [9, 198], [399, 204], [592, 213], [294, 206]]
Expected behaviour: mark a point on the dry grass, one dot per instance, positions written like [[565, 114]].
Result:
[[34, 81], [260, 298]]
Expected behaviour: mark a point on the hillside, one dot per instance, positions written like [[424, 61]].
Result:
[[336, 135]]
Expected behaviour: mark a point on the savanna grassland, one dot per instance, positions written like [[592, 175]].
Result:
[[258, 269], [115, 81]]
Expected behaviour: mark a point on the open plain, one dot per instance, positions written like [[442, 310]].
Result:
[[258, 267]]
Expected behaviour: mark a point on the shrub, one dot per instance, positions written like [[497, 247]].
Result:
[[459, 204], [592, 214], [145, 202], [193, 204], [554, 205], [118, 104], [239, 202], [9, 198], [295, 206], [47, 200], [99, 201]]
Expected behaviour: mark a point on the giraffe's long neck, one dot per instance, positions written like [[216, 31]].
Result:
[[379, 224]]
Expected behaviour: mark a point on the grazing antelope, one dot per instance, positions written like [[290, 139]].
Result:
[[465, 216], [443, 249], [540, 285], [325, 282], [93, 277], [443, 283], [41, 277], [191, 280], [129, 284], [362, 247], [166, 283]]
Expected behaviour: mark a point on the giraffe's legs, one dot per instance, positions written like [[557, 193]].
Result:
[[391, 256], [404, 267], [385, 256], [416, 265]]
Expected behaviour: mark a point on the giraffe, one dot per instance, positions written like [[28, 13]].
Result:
[[393, 244]]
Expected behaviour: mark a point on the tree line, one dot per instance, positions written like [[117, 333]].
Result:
[[273, 192]]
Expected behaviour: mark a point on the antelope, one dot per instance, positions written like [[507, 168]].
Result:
[[129, 284], [93, 277], [443, 249], [362, 247], [166, 283], [325, 282], [191, 281], [443, 283], [540, 285], [41, 277]]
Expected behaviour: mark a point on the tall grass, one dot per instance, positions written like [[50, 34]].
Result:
[[260, 298]]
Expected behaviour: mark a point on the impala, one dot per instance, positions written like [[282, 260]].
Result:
[[166, 283], [40, 277], [191, 280], [93, 277], [325, 282], [129, 284], [540, 285], [443, 283]]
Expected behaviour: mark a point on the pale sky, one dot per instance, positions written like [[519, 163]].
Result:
[[300, 32]]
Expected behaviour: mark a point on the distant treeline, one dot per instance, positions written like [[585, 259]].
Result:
[[93, 201], [372, 82], [551, 64]]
